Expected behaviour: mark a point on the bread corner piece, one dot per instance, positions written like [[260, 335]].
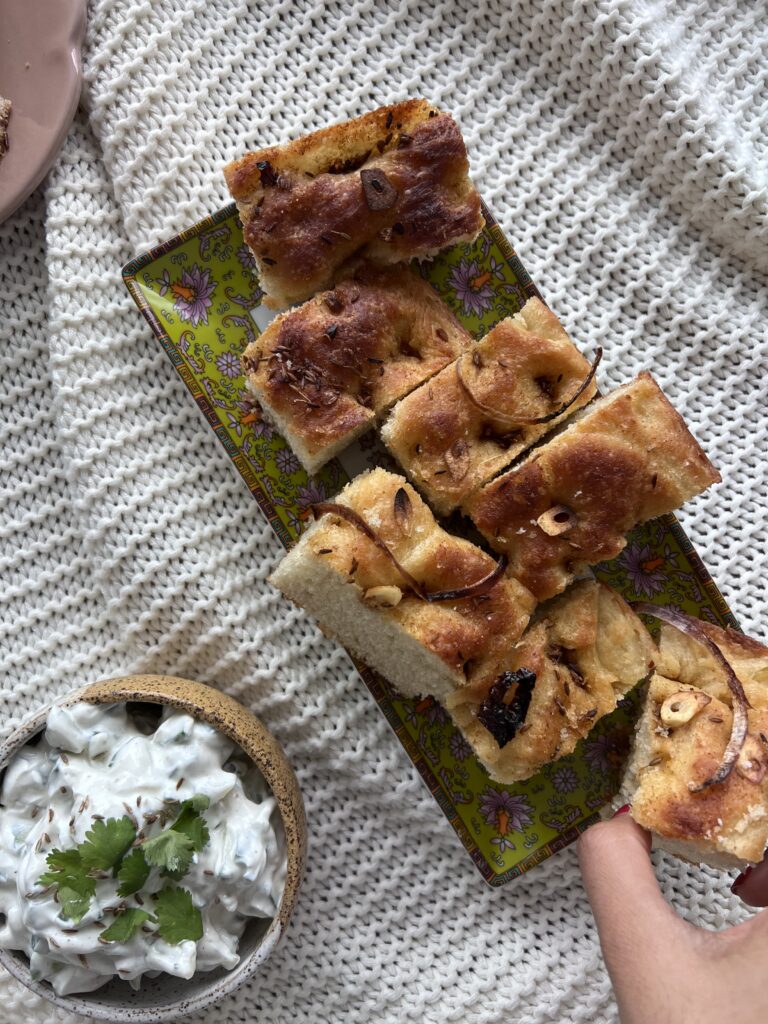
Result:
[[357, 595], [327, 370], [679, 742], [391, 185], [627, 458], [586, 649], [468, 423]]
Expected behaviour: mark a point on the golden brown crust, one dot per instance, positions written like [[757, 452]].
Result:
[[461, 633], [628, 458], [587, 648], [325, 371], [526, 367], [390, 186], [729, 819]]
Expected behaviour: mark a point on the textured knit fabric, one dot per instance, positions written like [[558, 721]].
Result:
[[622, 146]]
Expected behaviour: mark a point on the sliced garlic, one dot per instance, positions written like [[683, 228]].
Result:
[[457, 459], [556, 520], [752, 764], [682, 707], [383, 597]]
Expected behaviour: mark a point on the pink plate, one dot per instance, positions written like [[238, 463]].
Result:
[[40, 74]]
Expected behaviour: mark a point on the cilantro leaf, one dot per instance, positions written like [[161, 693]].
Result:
[[75, 885], [133, 873], [178, 918], [198, 802], [64, 864], [107, 843], [190, 822], [74, 905], [125, 925], [171, 851]]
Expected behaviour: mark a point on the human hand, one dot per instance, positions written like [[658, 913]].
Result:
[[663, 969]]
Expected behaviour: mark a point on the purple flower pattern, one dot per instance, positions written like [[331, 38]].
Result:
[[606, 753], [644, 568], [564, 779], [472, 287], [459, 747], [228, 365], [310, 494], [505, 811], [286, 461], [246, 258], [193, 295]]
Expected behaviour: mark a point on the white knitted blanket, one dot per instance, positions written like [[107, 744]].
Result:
[[622, 145]]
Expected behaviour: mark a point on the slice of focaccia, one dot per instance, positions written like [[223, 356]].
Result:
[[325, 372], [583, 651], [390, 185], [475, 417], [680, 741], [357, 594], [627, 458]]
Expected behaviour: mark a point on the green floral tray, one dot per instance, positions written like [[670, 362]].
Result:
[[201, 298]]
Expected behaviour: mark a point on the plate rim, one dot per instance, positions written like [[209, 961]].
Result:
[[72, 41]]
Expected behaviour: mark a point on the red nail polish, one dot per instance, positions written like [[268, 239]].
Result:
[[623, 810], [741, 879]]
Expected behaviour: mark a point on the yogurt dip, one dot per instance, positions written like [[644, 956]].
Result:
[[99, 762]]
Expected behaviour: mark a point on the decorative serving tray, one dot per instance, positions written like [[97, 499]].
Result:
[[201, 297]]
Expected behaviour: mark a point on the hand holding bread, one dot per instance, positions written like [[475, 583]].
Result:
[[663, 968]]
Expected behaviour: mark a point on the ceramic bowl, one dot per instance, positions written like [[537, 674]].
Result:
[[165, 997]]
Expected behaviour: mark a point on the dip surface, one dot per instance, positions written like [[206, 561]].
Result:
[[99, 762]]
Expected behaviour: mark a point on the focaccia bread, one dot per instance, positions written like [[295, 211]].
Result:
[[473, 419], [583, 651], [390, 185], [680, 740], [5, 114], [357, 594], [629, 457], [324, 372]]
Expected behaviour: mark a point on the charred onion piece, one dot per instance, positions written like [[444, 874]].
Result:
[[266, 172], [474, 589], [503, 720], [477, 589], [345, 512], [403, 511], [518, 421], [687, 624]]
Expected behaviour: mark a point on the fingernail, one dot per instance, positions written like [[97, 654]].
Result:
[[623, 810], [741, 879]]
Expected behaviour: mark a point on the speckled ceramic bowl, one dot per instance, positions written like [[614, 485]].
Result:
[[167, 998]]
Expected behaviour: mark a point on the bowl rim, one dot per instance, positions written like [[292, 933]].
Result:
[[223, 712]]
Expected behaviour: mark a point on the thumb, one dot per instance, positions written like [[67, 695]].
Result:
[[635, 923]]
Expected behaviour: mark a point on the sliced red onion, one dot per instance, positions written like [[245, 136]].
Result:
[[524, 421], [403, 511], [477, 589], [345, 512]]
